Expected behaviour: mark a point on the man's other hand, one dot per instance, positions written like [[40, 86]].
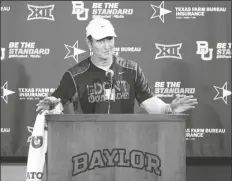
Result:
[[48, 103], [181, 104]]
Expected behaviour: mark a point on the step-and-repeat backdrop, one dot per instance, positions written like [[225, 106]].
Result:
[[182, 47]]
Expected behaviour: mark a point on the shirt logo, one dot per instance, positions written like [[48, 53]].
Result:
[[203, 49], [78, 9], [168, 51], [97, 91], [41, 12]]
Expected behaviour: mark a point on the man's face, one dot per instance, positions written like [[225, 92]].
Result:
[[103, 48]]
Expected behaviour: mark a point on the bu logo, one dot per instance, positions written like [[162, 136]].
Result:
[[203, 49], [3, 53], [78, 9], [37, 141], [41, 12], [168, 51]]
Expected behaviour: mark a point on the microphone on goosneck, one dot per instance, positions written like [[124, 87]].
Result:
[[110, 75]]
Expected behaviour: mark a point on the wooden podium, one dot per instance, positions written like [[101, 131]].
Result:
[[116, 147]]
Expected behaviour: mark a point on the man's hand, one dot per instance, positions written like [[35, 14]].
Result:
[[48, 103], [181, 104]]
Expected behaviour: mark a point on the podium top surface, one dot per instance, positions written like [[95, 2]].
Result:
[[116, 117]]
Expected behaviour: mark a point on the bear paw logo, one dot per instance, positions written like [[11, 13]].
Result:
[[37, 141]]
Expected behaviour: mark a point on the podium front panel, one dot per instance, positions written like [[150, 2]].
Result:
[[114, 150]]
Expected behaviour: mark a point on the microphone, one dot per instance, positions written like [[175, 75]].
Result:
[[110, 75]]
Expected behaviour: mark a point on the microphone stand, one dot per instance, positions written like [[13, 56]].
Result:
[[109, 99], [109, 75]]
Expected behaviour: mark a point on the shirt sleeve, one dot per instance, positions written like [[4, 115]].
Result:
[[142, 89], [66, 90]]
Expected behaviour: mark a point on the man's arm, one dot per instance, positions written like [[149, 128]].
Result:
[[154, 105], [66, 90], [144, 96], [142, 89], [64, 93]]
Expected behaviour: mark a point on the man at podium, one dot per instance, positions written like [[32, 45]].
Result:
[[104, 83]]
